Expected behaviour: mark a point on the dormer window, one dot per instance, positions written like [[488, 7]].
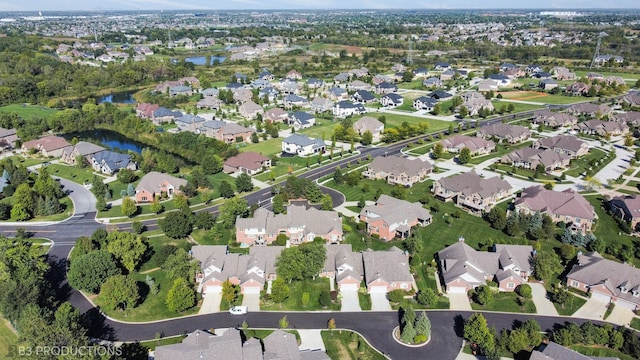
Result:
[[623, 289], [636, 293]]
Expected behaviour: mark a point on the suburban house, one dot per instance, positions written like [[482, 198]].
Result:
[[589, 109], [631, 99], [82, 148], [293, 100], [553, 119], [548, 84], [500, 132], [299, 224], [48, 146], [204, 345], [343, 265], [302, 145], [386, 88], [567, 206], [249, 163], [602, 128], [180, 90], [210, 102], [110, 162], [321, 104], [432, 82], [250, 110], [562, 73], [343, 109], [398, 170], [474, 102], [564, 144], [578, 89], [478, 146], [488, 85], [275, 115], [368, 123], [387, 270], [358, 85], [294, 75], [337, 94], [439, 95], [301, 120], [315, 83], [8, 138], [606, 280], [532, 69], [363, 97], [391, 100], [155, 184], [463, 268], [242, 95], [390, 217], [163, 115], [440, 66], [629, 118], [189, 122], [627, 208], [500, 79], [228, 132], [530, 158], [472, 191], [145, 110], [424, 103]]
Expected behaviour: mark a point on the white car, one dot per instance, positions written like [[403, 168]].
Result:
[[238, 310]]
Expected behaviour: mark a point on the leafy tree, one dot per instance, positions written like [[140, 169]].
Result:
[[337, 176], [189, 190], [156, 206], [279, 290], [512, 227], [120, 290], [524, 290], [98, 187], [283, 322], [463, 112], [23, 204], [176, 225], [129, 207], [278, 204], [243, 183], [518, 340], [181, 296], [229, 292], [291, 265], [325, 298], [497, 218], [231, 209], [126, 176], [437, 151], [88, 272], [408, 333], [84, 245], [315, 254], [367, 138], [128, 248], [546, 265], [137, 227], [533, 330], [204, 220], [483, 295], [180, 265], [327, 202], [395, 296], [427, 297], [477, 331], [225, 189], [408, 316], [305, 298], [212, 164], [331, 325], [464, 156]]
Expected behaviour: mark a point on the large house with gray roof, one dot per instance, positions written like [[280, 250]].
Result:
[[398, 170], [82, 148], [299, 224], [627, 208], [500, 132], [553, 351], [155, 184], [606, 280], [564, 144], [387, 270], [110, 162], [389, 217], [477, 145], [567, 206], [302, 145], [553, 119], [471, 191], [463, 268], [368, 123], [530, 158]]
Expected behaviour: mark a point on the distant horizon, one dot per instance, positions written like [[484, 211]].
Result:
[[244, 5]]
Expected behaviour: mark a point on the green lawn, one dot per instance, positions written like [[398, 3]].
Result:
[[557, 99], [501, 149], [340, 346], [28, 112], [117, 188], [364, 299], [635, 323], [152, 344], [294, 303], [517, 107], [621, 74], [8, 338], [27, 161], [265, 147], [506, 301], [597, 351], [322, 129], [72, 173], [527, 173], [397, 120], [572, 305], [65, 202]]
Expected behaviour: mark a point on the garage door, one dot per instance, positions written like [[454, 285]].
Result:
[[629, 305], [252, 290], [352, 287], [378, 289], [457, 290], [213, 289], [601, 297]]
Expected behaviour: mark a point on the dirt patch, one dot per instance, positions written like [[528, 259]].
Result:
[[150, 271], [9, 326], [353, 49], [522, 95]]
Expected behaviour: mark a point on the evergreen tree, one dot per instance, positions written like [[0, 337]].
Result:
[[423, 325]]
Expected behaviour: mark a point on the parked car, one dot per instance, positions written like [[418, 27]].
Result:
[[238, 310]]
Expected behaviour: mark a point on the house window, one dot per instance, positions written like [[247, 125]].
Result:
[[403, 285], [511, 285], [393, 284], [144, 198], [574, 283]]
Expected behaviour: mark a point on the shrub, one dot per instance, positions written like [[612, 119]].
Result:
[[325, 298], [419, 339], [395, 296], [524, 290]]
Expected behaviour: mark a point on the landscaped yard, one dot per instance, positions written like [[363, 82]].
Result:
[[571, 306], [635, 323], [294, 302], [8, 338], [527, 173], [28, 112], [582, 164], [72, 173], [65, 203], [265, 147], [501, 149], [342, 345], [397, 120], [506, 301], [151, 344], [599, 351], [517, 107]]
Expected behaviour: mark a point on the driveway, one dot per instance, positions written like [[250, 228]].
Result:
[[311, 340], [211, 303], [544, 306], [459, 302], [616, 167], [350, 301], [621, 316], [251, 301], [593, 309], [379, 302]]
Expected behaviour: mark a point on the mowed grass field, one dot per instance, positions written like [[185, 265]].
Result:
[[542, 98], [28, 111], [8, 338]]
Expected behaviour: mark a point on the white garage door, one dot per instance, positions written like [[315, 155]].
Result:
[[252, 290], [601, 297], [352, 287], [457, 290], [378, 289], [213, 289], [629, 305]]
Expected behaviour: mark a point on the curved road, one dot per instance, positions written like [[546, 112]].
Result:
[[375, 326]]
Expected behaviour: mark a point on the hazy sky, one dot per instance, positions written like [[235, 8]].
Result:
[[50, 5]]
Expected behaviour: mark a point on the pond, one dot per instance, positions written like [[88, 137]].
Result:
[[118, 98], [200, 60], [109, 139]]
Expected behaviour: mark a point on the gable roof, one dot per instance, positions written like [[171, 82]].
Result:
[[472, 142], [471, 183], [151, 182], [395, 211], [312, 220], [303, 140], [367, 123], [504, 130], [115, 161], [566, 142], [86, 148], [395, 165], [390, 265], [248, 160], [562, 203], [48, 143]]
